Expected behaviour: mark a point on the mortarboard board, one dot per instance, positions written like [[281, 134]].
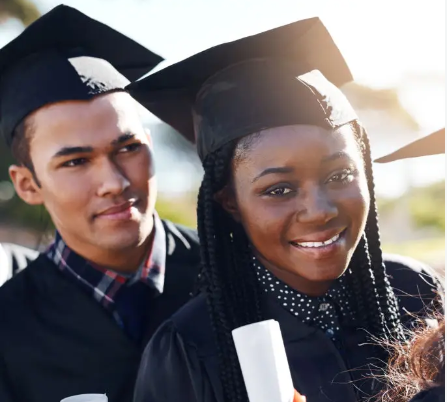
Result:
[[261, 81], [65, 55], [433, 144]]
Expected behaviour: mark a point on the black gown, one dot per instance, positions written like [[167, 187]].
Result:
[[181, 363], [435, 394], [57, 341]]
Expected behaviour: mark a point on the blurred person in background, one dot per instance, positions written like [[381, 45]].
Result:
[[417, 369], [76, 320], [287, 222]]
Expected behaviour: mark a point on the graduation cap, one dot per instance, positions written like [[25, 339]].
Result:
[[65, 55], [285, 76], [433, 144]]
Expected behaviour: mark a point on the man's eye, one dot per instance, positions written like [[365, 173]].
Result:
[[280, 191], [75, 162], [130, 148]]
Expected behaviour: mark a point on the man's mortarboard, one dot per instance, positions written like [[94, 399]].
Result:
[[65, 55], [285, 76], [433, 144]]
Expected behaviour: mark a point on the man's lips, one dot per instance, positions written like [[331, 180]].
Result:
[[119, 211]]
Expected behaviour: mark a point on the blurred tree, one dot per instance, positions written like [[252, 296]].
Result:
[[13, 210], [363, 97], [426, 204], [182, 210], [24, 10]]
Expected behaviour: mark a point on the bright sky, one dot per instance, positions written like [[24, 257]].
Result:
[[398, 43]]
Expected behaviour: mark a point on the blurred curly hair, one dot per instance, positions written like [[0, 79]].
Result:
[[416, 365]]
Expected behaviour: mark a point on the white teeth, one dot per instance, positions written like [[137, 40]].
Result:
[[319, 243]]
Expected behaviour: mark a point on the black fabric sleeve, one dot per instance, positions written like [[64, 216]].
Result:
[[436, 394], [170, 370], [5, 391], [416, 285]]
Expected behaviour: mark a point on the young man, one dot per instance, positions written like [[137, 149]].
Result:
[[76, 320]]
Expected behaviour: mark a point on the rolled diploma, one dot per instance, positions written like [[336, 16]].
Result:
[[263, 360], [86, 398]]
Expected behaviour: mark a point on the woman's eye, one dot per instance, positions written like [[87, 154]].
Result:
[[280, 191], [75, 162], [345, 176], [130, 148]]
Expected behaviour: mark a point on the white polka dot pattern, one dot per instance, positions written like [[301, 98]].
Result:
[[318, 312]]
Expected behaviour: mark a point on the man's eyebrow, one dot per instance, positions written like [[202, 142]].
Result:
[[66, 151], [273, 170], [123, 138]]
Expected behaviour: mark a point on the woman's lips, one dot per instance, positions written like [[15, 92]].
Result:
[[319, 237], [324, 248]]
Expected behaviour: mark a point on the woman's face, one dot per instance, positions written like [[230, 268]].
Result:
[[301, 194]]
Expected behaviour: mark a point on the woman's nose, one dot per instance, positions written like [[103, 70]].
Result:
[[316, 207]]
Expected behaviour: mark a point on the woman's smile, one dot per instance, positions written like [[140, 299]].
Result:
[[321, 249]]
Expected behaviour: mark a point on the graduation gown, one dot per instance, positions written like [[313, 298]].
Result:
[[436, 394], [181, 361], [56, 340]]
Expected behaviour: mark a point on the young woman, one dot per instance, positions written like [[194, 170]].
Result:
[[286, 218]]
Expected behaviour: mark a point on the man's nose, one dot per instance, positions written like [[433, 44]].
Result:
[[112, 179]]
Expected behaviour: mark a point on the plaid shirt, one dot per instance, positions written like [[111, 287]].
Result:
[[123, 296]]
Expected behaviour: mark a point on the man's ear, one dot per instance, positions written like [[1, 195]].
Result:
[[227, 199], [25, 185]]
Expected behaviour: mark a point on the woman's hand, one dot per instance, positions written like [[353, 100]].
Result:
[[298, 397]]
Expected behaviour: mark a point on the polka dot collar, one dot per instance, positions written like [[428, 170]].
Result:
[[323, 312]]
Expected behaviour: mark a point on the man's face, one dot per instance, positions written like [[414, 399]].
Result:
[[94, 164]]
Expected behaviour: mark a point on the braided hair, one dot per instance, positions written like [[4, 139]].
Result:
[[230, 284]]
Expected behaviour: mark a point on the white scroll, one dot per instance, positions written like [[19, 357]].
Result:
[[263, 360], [86, 398]]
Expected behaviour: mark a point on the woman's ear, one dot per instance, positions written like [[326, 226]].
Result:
[[227, 199]]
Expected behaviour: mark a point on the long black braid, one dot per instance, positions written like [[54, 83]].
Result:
[[387, 300], [368, 277], [226, 261], [230, 284]]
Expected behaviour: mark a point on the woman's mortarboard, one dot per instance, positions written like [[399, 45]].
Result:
[[288, 75], [65, 55], [432, 144]]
